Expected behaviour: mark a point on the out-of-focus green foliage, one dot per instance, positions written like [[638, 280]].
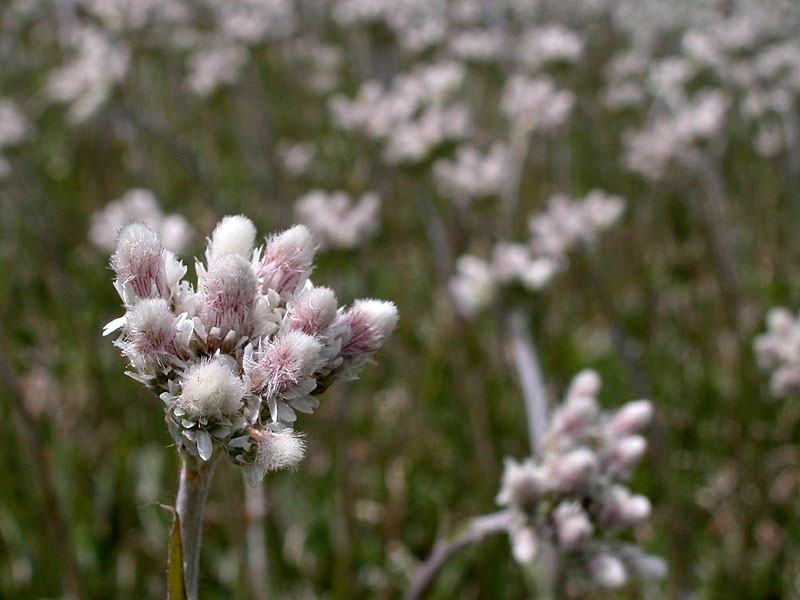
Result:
[[413, 448]]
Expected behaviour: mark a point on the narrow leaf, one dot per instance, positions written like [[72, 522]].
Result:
[[176, 586]]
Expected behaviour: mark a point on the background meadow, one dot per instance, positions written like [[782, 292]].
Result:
[[687, 111]]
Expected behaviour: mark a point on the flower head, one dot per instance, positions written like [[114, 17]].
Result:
[[211, 389], [139, 263], [229, 291], [287, 262], [235, 358]]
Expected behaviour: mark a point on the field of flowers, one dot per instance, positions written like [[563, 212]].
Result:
[[476, 299]]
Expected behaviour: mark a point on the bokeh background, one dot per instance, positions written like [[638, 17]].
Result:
[[686, 110]]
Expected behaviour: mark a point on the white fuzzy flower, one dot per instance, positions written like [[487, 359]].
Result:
[[367, 324], [573, 526], [153, 335], [524, 545], [620, 508], [229, 290], [313, 311], [234, 234], [522, 485], [621, 455], [211, 389], [139, 264], [275, 448], [608, 571], [283, 363], [287, 261], [574, 470], [632, 418]]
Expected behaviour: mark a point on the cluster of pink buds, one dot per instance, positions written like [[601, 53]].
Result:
[[336, 220], [572, 497], [565, 225], [139, 205], [236, 357], [778, 350]]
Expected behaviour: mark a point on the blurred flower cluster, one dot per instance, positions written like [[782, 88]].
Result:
[[778, 351], [234, 358], [338, 222], [567, 223], [573, 497], [139, 206]]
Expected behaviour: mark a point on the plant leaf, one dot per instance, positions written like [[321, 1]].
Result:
[[176, 586]]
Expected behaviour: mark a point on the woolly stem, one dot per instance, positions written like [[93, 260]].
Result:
[[257, 563], [526, 363], [476, 531], [193, 489]]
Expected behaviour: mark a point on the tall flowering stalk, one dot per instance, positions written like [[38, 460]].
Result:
[[566, 505], [237, 356]]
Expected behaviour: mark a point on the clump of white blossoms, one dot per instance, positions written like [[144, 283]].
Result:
[[235, 357], [675, 135], [336, 220], [474, 174], [87, 81], [778, 351], [411, 117], [535, 105], [565, 225], [139, 205], [573, 496]]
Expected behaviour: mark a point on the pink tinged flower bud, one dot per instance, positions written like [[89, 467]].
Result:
[[313, 312], [233, 235], [522, 486], [572, 525], [524, 545], [620, 508], [211, 389], [622, 455], [285, 362], [575, 417], [574, 470], [780, 320], [277, 450], [150, 332], [608, 571], [230, 290], [287, 262], [585, 384], [632, 418], [139, 262], [369, 323]]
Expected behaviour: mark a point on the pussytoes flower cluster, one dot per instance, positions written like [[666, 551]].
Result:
[[336, 220], [564, 225], [573, 497], [778, 351], [235, 357], [413, 116], [139, 205], [472, 173], [88, 79]]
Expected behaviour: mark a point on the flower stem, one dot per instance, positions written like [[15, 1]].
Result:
[[193, 489], [526, 363], [476, 531]]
